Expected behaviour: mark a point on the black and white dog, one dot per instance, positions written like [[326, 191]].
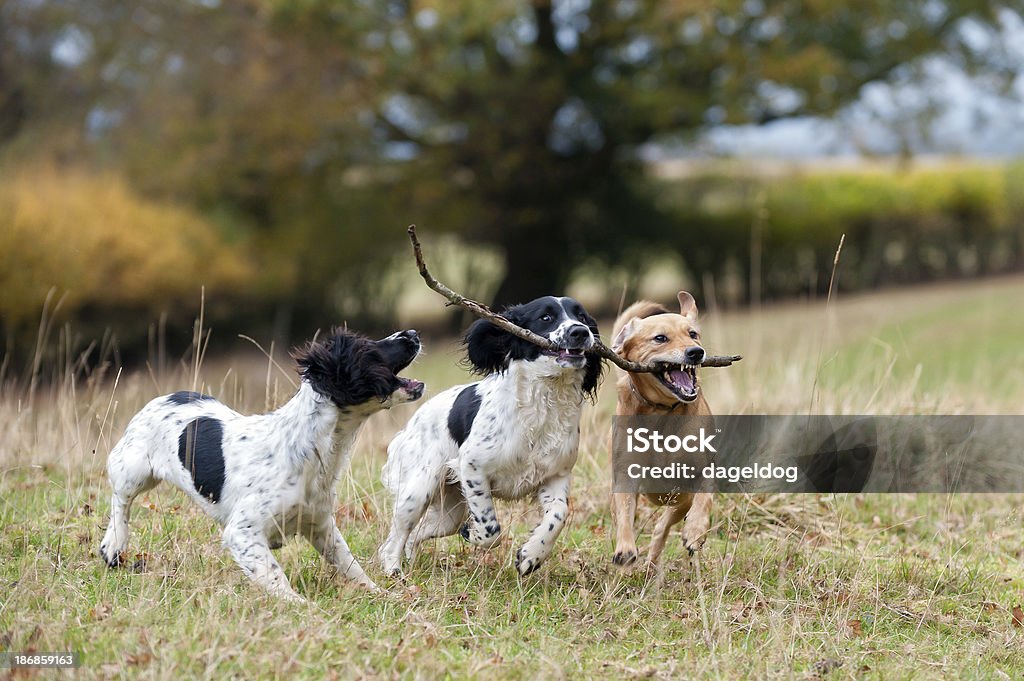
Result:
[[513, 434], [269, 476]]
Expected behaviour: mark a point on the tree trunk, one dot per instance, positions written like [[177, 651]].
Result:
[[537, 263]]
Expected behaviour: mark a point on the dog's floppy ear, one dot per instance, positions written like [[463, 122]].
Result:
[[317, 365], [624, 333], [687, 306], [487, 347], [346, 368]]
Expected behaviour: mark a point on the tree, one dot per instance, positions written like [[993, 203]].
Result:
[[324, 126], [537, 109]]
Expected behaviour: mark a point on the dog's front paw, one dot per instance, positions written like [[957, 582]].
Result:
[[526, 562], [625, 556], [113, 559], [694, 535], [484, 536], [390, 563]]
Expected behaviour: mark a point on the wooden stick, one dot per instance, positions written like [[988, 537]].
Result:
[[482, 311]]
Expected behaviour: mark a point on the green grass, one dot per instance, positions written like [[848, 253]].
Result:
[[788, 586]]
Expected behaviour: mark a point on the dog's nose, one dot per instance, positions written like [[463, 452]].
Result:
[[694, 355], [412, 335], [579, 334]]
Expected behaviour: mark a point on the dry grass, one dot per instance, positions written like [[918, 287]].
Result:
[[804, 586]]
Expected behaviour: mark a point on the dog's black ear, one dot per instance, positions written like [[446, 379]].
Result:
[[315, 365], [517, 347], [346, 368], [487, 347], [595, 365]]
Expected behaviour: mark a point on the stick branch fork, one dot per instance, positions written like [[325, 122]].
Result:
[[482, 311]]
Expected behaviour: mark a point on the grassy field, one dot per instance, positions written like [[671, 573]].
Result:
[[797, 586]]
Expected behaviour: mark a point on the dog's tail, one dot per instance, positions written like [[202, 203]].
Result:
[[638, 310]]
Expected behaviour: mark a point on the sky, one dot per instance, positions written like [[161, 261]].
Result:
[[969, 118]]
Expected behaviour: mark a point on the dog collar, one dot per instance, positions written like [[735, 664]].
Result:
[[649, 403]]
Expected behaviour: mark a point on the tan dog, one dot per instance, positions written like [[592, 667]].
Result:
[[648, 332]]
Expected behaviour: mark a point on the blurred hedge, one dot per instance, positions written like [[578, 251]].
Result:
[[123, 260], [901, 226], [115, 257]]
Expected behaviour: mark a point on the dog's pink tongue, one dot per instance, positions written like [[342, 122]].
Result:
[[681, 379]]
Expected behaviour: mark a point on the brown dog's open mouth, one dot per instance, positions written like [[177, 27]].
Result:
[[681, 382]]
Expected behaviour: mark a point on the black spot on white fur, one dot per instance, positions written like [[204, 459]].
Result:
[[201, 452], [190, 440], [518, 398], [186, 397], [464, 410]]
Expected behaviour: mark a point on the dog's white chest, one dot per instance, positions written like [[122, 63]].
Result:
[[537, 439]]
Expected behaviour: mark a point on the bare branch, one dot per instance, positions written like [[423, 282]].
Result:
[[482, 311]]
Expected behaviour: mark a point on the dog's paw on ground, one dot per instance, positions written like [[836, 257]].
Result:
[[625, 557], [525, 564], [694, 537]]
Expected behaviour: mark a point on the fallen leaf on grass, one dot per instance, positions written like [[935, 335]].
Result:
[[737, 612], [856, 626], [428, 633], [139, 659], [1018, 616], [100, 612]]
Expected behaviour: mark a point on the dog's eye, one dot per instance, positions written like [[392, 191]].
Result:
[[694, 335], [545, 318], [661, 338]]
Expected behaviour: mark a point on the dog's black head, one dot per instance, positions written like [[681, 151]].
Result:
[[351, 370], [563, 321]]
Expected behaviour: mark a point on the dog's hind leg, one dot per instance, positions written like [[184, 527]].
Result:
[[669, 517], [332, 546], [244, 538], [130, 474], [623, 515], [412, 498], [482, 528], [444, 517]]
